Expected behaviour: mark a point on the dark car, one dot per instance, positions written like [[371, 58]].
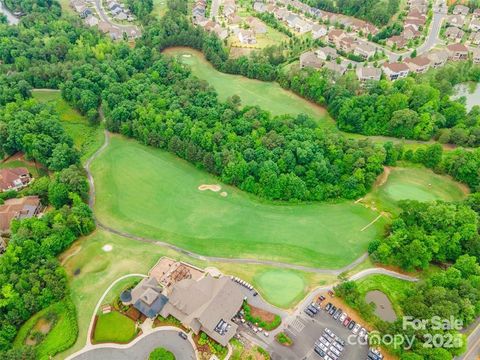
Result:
[[182, 335], [308, 312], [351, 325], [337, 314], [328, 307], [332, 310], [319, 351], [312, 309], [255, 293]]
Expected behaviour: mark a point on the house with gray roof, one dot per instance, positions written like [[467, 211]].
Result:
[[147, 297], [207, 305]]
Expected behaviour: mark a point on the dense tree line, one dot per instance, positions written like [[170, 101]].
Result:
[[374, 11], [141, 8]]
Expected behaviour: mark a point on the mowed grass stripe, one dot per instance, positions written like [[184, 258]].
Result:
[[151, 193]]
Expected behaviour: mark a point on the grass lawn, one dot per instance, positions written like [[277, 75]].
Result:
[[114, 327], [158, 197], [268, 95], [395, 289], [413, 183], [159, 7], [282, 287], [59, 325], [87, 138], [34, 170]]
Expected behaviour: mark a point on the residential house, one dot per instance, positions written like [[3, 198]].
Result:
[[81, 8], [247, 37], [474, 24], [397, 41], [207, 305], [347, 44], [476, 13], [419, 64], [461, 10], [365, 50], [457, 52], [366, 73], [291, 20], [229, 8], [310, 59], [476, 56], [122, 16], [454, 34], [416, 23], [318, 31], [456, 20], [410, 32], [259, 7], [396, 70], [338, 69], [475, 38], [256, 25], [3, 245], [14, 179], [326, 53], [335, 35], [438, 58], [146, 297], [302, 26], [221, 32], [18, 208], [91, 21]]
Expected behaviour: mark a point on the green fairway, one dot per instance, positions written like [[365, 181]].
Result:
[[282, 287], [268, 95], [151, 193], [114, 327], [87, 138], [413, 183]]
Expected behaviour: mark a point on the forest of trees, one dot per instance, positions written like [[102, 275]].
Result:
[[378, 12]]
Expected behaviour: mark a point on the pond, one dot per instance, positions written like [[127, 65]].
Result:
[[383, 306], [12, 19], [470, 91]]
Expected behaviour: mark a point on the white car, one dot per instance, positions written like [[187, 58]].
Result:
[[342, 317], [324, 341], [266, 334], [323, 347], [355, 329], [362, 333]]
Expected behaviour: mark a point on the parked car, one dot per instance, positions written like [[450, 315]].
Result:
[[337, 314], [329, 332], [320, 352], [322, 297], [328, 307], [255, 293], [346, 321], [330, 292], [324, 341], [356, 329], [182, 335], [351, 325], [312, 309], [266, 334], [322, 346], [340, 341], [362, 333], [338, 346], [342, 317], [332, 310], [308, 312]]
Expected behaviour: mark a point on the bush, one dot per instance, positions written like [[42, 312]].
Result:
[[255, 320], [161, 354], [284, 339]]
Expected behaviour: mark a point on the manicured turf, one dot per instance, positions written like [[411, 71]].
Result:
[[159, 7], [414, 183], [282, 287], [395, 289], [87, 138], [152, 193], [114, 327], [34, 170], [62, 334], [268, 95]]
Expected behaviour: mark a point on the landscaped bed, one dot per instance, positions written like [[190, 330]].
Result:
[[262, 318], [207, 347], [114, 327]]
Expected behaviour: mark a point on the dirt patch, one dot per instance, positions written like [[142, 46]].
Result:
[[264, 315], [214, 187], [383, 306], [38, 332], [383, 177]]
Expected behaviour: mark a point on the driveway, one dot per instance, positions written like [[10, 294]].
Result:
[[140, 350], [103, 15]]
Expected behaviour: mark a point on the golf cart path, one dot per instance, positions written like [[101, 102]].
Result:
[[194, 255]]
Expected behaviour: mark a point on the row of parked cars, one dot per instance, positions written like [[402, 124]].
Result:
[[244, 284], [374, 354], [343, 318], [329, 346]]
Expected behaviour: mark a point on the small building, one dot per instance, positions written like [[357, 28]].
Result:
[[456, 20], [18, 209], [147, 297], [397, 41], [476, 56], [410, 32], [419, 64], [91, 21], [475, 38], [247, 37], [259, 7], [453, 33], [326, 53], [256, 25], [474, 24], [302, 26], [347, 44], [338, 69], [14, 179], [318, 31], [366, 73], [438, 58], [335, 35], [457, 52], [207, 305], [365, 50], [310, 59], [396, 70], [461, 10]]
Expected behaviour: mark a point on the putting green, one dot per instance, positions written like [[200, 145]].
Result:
[[280, 287], [414, 183], [268, 95], [152, 193]]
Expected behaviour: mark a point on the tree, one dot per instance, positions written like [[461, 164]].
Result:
[[161, 354]]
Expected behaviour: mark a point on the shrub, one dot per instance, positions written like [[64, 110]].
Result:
[[161, 354]]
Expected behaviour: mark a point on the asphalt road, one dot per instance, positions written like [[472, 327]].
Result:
[[103, 15], [473, 345], [182, 349]]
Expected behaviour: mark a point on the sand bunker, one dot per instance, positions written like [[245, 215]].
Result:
[[214, 188], [223, 193], [107, 248]]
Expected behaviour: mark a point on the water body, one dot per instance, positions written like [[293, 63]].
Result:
[[12, 19], [470, 91], [383, 306]]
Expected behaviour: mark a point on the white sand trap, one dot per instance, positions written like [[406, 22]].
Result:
[[107, 248], [223, 193], [214, 187], [187, 55]]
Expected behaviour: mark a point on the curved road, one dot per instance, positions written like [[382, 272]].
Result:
[[140, 349]]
